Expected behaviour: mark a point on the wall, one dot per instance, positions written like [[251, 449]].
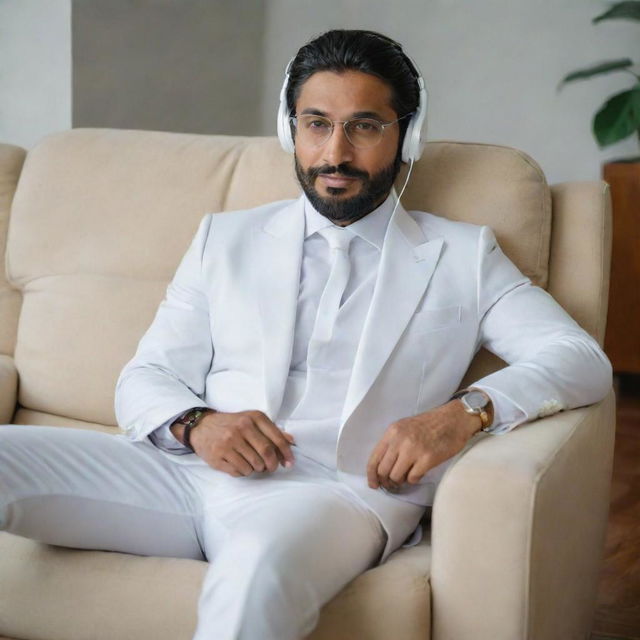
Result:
[[214, 66], [35, 69], [491, 68], [191, 66]]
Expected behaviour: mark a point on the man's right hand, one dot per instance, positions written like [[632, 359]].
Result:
[[239, 443]]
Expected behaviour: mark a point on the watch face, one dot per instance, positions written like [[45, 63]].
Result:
[[476, 399]]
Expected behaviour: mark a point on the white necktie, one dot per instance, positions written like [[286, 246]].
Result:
[[338, 239]]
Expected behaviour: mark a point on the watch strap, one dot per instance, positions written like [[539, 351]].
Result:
[[481, 412], [190, 419]]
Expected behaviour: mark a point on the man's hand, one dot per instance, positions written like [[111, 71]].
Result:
[[240, 443], [412, 446]]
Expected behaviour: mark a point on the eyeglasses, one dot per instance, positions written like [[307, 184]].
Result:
[[362, 133]]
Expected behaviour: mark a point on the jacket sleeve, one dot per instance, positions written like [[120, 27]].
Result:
[[553, 364], [167, 375]]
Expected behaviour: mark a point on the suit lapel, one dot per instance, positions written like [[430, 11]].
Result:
[[277, 250], [407, 263]]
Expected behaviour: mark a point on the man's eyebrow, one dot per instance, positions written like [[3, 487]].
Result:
[[357, 114], [369, 114], [313, 112]]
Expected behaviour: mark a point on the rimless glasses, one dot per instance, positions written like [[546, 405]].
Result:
[[362, 133]]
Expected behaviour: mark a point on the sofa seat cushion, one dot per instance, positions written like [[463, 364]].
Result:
[[40, 418], [52, 593]]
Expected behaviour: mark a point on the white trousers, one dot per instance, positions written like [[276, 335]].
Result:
[[280, 545]]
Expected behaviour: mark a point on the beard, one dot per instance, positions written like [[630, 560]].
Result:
[[373, 192]]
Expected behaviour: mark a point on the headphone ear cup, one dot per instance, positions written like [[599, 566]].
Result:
[[283, 122], [284, 130], [408, 150], [413, 144]]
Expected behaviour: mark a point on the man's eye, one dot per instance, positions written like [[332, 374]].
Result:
[[318, 124], [364, 126]]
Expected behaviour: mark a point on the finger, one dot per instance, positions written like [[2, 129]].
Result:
[[384, 467], [372, 465], [291, 438], [417, 472], [398, 474], [223, 465], [267, 451], [275, 434], [250, 435], [238, 462], [250, 454]]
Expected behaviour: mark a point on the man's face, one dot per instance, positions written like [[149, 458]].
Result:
[[345, 183]]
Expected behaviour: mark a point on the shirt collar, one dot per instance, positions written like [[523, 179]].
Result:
[[371, 227]]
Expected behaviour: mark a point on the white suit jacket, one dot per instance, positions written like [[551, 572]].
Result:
[[223, 335]]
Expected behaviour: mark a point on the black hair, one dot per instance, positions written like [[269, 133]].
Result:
[[356, 50]]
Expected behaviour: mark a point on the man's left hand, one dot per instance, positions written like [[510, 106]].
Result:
[[412, 446]]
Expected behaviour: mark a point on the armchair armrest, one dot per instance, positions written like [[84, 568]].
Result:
[[11, 160], [8, 388], [518, 530]]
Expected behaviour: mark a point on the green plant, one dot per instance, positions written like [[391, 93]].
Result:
[[619, 116]]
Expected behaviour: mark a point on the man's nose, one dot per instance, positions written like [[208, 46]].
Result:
[[337, 149]]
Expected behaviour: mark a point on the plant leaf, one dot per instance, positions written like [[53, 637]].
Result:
[[600, 68], [629, 10], [618, 117]]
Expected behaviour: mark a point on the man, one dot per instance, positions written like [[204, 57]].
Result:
[[289, 412]]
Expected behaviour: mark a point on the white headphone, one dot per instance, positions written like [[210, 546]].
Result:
[[415, 136]]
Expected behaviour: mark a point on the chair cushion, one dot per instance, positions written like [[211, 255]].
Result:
[[114, 595], [493, 185]]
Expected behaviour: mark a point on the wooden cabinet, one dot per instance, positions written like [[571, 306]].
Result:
[[622, 341]]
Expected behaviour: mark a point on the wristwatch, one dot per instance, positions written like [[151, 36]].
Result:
[[477, 403], [190, 419]]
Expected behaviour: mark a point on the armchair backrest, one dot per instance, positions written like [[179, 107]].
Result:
[[100, 219]]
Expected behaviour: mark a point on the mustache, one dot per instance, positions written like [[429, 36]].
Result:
[[342, 169]]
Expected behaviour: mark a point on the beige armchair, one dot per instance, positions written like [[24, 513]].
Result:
[[97, 221]]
